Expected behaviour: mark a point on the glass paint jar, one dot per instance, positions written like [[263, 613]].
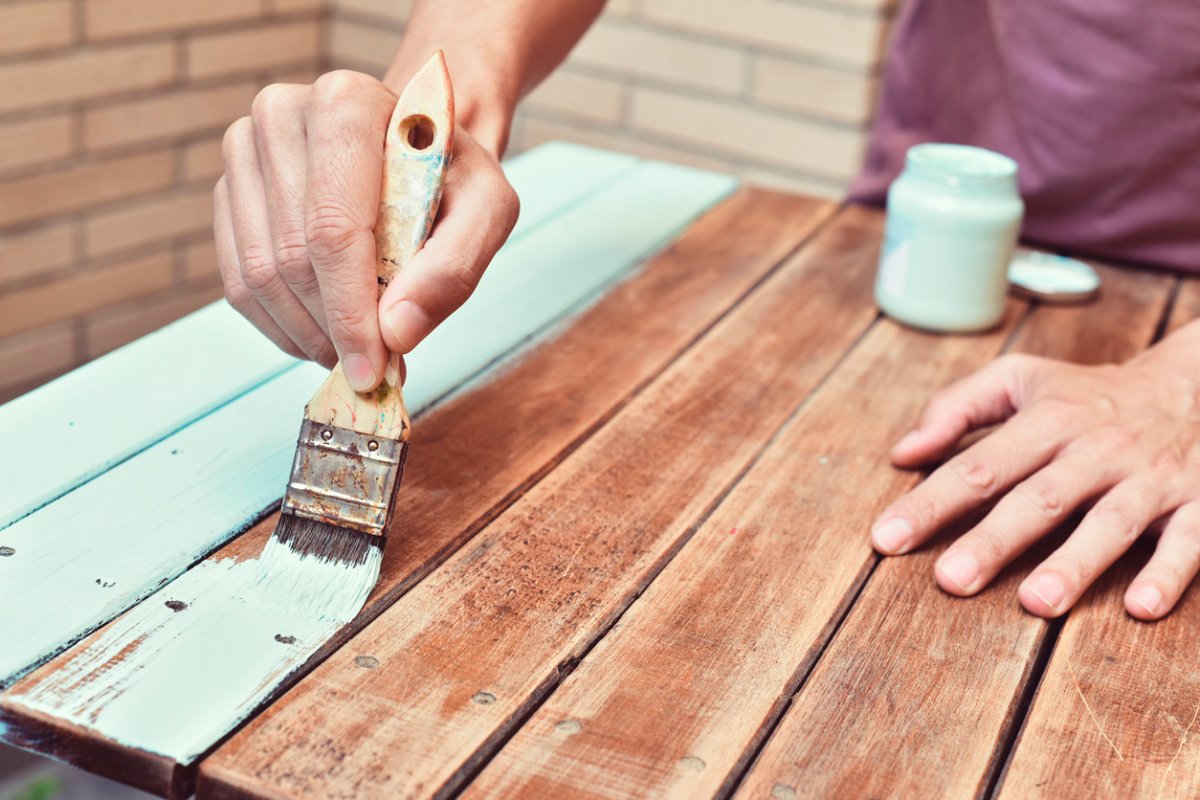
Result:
[[953, 216]]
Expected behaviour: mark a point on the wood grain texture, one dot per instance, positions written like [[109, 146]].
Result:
[[1187, 304], [235, 463], [918, 693], [1116, 713], [675, 700], [460, 444], [466, 654]]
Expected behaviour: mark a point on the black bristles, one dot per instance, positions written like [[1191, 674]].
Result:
[[312, 539]]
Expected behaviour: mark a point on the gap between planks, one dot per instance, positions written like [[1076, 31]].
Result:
[[708, 291]]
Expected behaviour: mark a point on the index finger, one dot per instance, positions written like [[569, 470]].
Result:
[[346, 121]]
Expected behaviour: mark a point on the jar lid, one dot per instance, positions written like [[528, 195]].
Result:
[[1052, 278]]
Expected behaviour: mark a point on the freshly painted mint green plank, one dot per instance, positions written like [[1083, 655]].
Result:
[[76, 427], [138, 521], [72, 429]]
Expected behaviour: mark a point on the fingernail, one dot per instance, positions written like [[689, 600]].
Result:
[[1049, 589], [893, 535], [960, 568], [1148, 597], [359, 372], [408, 324]]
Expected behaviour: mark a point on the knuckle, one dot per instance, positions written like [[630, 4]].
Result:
[[258, 268], [461, 280], [346, 323], [235, 137], [1046, 500], [974, 473], [291, 258], [328, 230], [267, 105], [238, 297], [1115, 518], [335, 86], [990, 546]]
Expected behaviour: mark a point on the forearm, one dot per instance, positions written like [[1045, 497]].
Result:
[[497, 51]]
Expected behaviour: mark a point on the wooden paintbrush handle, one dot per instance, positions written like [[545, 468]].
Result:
[[416, 152]]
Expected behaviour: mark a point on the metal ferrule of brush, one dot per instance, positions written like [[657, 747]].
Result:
[[344, 478]]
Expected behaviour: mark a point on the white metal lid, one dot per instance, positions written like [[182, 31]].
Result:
[[1052, 278]]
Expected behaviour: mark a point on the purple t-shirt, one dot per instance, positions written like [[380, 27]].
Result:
[[1097, 100]]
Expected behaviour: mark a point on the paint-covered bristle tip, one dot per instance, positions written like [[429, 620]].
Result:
[[310, 538]]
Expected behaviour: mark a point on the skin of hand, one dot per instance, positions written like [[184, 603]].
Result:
[[295, 211], [1123, 439]]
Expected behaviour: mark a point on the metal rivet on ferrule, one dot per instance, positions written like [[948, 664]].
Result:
[[372, 445], [327, 434], [7, 551], [483, 698], [367, 662]]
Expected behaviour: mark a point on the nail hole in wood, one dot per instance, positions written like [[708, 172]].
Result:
[[279, 637], [175, 605], [105, 584], [367, 662], [692, 764], [568, 726], [781, 791], [418, 130], [7, 551], [483, 698]]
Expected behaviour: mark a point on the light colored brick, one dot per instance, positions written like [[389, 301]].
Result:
[[28, 199], [253, 49], [177, 113], [202, 161], [85, 75], [396, 11], [782, 181], [537, 131], [83, 291], [36, 252], [105, 19], [638, 51], [823, 92], [154, 219], [108, 330], [31, 142], [824, 150], [583, 96], [36, 354], [367, 47], [200, 263], [295, 6], [36, 25], [850, 38]]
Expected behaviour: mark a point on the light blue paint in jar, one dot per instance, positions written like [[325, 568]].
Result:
[[953, 217]]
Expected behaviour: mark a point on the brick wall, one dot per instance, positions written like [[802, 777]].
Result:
[[779, 92], [111, 113]]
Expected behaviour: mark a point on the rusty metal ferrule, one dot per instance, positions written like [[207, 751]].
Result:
[[344, 478]]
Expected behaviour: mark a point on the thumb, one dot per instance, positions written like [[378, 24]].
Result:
[[984, 398]]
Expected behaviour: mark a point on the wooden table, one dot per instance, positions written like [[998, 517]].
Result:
[[632, 554]]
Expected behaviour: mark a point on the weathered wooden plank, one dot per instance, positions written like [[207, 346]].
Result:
[[1116, 712], [917, 695], [147, 390], [464, 656], [252, 444], [624, 338], [675, 700], [1187, 304]]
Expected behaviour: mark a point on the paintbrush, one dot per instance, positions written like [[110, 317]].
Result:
[[352, 446]]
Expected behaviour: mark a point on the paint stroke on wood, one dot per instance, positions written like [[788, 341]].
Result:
[[143, 392], [1117, 712], [465, 654], [671, 702], [567, 262], [918, 693], [724, 255], [1187, 304], [74, 428]]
